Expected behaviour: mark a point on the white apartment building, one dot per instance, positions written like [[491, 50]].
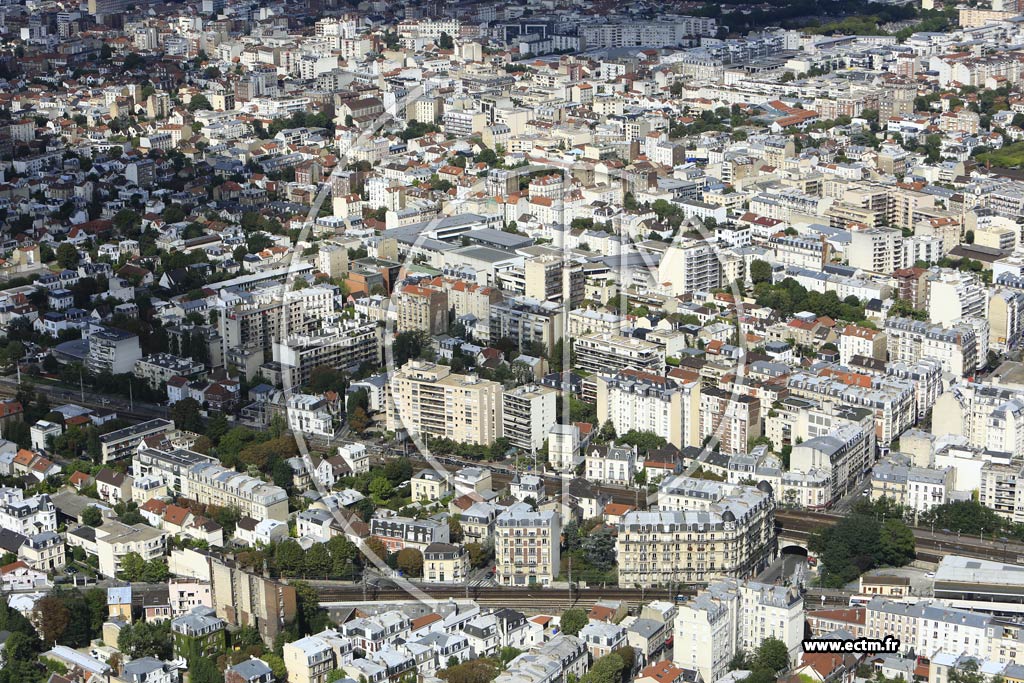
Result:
[[987, 416], [879, 250], [605, 353], [731, 616], [526, 546], [861, 341], [114, 540], [310, 415], [911, 340], [954, 294], [641, 401], [564, 453], [690, 267], [527, 415], [26, 516], [311, 659], [928, 627], [611, 464], [845, 453]]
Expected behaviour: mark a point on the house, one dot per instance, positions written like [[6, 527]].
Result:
[[18, 576], [113, 487]]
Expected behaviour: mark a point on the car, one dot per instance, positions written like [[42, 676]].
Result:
[[930, 575]]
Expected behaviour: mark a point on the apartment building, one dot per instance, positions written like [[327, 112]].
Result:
[[445, 563], [603, 353], [953, 295], [211, 484], [313, 658], [918, 488], [430, 401], [985, 415], [124, 442], [691, 266], [666, 547], [527, 321], [114, 540], [526, 546], [731, 616], [955, 347], [1006, 319], [891, 400], [112, 351], [527, 415], [1002, 489], [420, 308], [645, 402], [553, 278], [155, 369], [251, 321], [878, 250], [845, 454], [398, 533], [928, 627], [861, 341], [310, 415], [732, 419], [26, 516], [345, 346], [611, 464], [200, 633]]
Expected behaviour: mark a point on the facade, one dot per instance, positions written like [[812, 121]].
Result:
[[527, 415], [431, 402], [526, 546], [645, 402], [112, 351], [608, 353], [403, 532], [445, 563], [730, 418], [731, 616]]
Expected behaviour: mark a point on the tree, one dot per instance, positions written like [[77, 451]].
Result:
[[133, 566], [410, 561], [288, 557], [760, 271], [896, 543], [318, 560], [455, 532], [199, 102], [203, 670], [358, 420], [479, 555], [91, 516], [185, 414], [607, 669], [67, 255], [599, 548], [573, 620], [772, 655], [50, 616], [277, 666], [375, 548], [311, 617], [482, 670], [146, 639], [445, 41]]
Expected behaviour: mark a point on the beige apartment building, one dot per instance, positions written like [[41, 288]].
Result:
[[732, 419], [445, 563], [421, 308], [430, 401], [526, 546]]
